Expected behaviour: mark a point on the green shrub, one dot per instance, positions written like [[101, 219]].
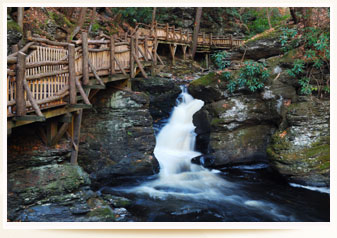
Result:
[[252, 76], [221, 59]]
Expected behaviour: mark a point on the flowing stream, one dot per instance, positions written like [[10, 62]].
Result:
[[183, 191]]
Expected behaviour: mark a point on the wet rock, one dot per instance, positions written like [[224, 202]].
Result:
[[117, 138], [243, 145], [263, 47], [44, 184], [162, 93], [208, 88], [122, 215], [117, 201], [301, 152], [205, 160]]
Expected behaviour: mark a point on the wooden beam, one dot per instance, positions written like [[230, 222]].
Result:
[[83, 94], [31, 99], [173, 52], [30, 118], [184, 51], [132, 62], [140, 66], [76, 136], [146, 48], [120, 66], [85, 58], [20, 77], [95, 73], [42, 135], [60, 133], [167, 31], [160, 59], [112, 54], [46, 63], [72, 74], [44, 75]]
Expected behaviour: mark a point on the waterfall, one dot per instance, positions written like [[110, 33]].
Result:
[[176, 141]]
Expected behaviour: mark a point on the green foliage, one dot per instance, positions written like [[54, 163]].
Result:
[[260, 21], [221, 59], [252, 76], [134, 14], [316, 43]]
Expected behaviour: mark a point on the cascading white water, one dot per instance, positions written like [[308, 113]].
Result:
[[175, 142]]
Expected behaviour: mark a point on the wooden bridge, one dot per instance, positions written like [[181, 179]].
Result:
[[56, 80]]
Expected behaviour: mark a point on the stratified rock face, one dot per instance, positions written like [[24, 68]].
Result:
[[301, 151], [162, 93], [117, 138], [240, 129]]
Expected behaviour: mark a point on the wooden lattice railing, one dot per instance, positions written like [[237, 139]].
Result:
[[53, 70]]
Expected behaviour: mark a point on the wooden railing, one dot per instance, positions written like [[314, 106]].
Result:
[[53, 70], [43, 78], [169, 33]]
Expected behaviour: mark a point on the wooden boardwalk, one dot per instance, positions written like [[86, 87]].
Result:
[[47, 79]]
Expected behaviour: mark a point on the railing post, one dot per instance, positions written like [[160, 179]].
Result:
[[167, 31], [112, 55], [203, 37], [174, 32], [72, 74], [231, 40], [20, 76], [210, 39], [136, 44], [132, 62], [146, 48], [85, 57]]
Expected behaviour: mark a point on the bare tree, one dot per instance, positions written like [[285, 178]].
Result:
[[92, 18], [268, 17], [20, 16], [153, 17], [196, 31], [79, 24]]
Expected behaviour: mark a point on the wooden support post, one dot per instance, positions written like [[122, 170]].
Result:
[[51, 130], [154, 47], [173, 52], [203, 38], [184, 51], [20, 76], [85, 57], [132, 62], [136, 44], [206, 59], [72, 74], [181, 35], [76, 136], [167, 31], [210, 39], [173, 33], [112, 55], [126, 36], [231, 40], [145, 48]]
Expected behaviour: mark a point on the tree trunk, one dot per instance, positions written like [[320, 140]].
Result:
[[293, 14], [196, 31], [92, 18], [80, 23], [20, 17], [153, 18], [268, 17]]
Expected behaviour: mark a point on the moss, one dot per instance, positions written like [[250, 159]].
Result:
[[13, 26], [104, 213], [216, 121], [205, 80], [60, 19], [266, 35]]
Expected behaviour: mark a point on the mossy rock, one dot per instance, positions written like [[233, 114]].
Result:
[[205, 80]]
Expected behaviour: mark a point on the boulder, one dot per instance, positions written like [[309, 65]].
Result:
[[162, 93], [117, 138], [301, 150]]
